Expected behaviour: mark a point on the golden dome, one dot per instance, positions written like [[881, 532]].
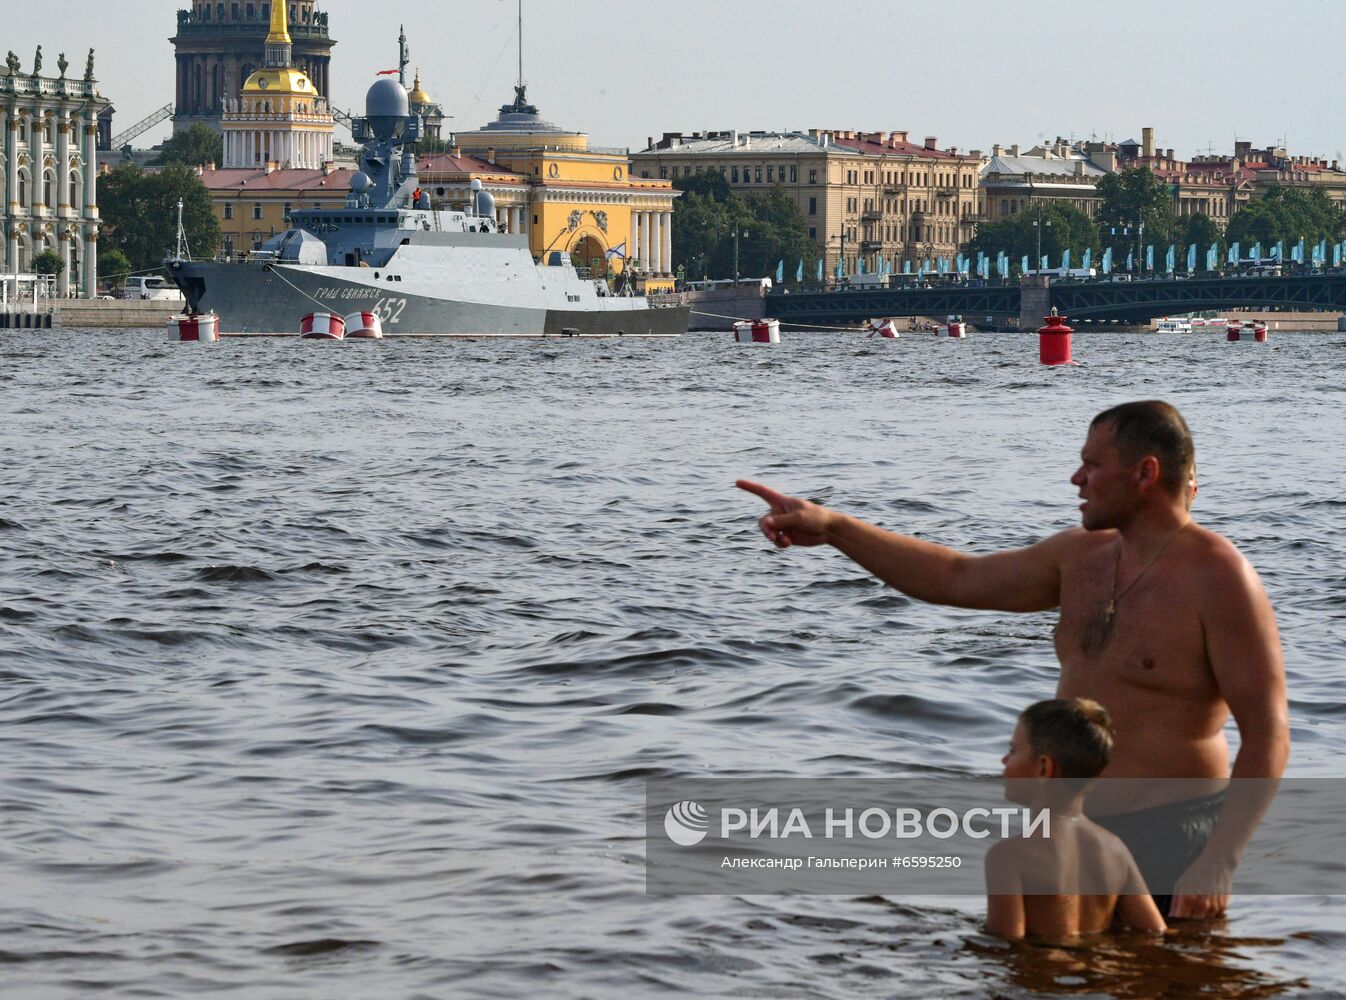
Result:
[[280, 81], [417, 95]]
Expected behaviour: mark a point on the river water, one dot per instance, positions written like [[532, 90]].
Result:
[[338, 669]]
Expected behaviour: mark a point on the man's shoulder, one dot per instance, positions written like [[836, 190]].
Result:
[[1217, 558]]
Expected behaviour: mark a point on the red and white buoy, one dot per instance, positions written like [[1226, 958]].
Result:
[[322, 326], [1260, 332], [1054, 341], [364, 326], [956, 327], [195, 328], [883, 328], [760, 331]]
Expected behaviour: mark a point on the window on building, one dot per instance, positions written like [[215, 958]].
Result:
[[229, 245], [252, 11], [645, 174], [698, 171], [256, 209], [759, 173], [813, 233], [813, 206], [287, 210], [813, 175], [23, 190], [794, 173], [663, 173], [228, 209], [733, 175], [771, 174], [233, 11]]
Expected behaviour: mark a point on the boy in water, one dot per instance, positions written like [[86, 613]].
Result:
[[1034, 884]]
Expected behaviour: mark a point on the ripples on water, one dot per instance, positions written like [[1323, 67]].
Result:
[[338, 669]]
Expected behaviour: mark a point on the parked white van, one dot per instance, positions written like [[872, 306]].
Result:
[[153, 287]]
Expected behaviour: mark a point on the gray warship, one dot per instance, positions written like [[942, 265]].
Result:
[[421, 271]]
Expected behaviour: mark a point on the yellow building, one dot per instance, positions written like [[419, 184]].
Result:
[[564, 193], [252, 205]]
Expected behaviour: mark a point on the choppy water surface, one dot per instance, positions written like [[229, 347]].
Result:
[[337, 670]]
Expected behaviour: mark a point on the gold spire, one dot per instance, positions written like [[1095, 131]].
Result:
[[417, 95], [280, 26]]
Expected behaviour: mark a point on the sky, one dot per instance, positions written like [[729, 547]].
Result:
[[970, 72]]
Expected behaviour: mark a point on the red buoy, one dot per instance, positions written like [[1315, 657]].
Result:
[[1054, 341]]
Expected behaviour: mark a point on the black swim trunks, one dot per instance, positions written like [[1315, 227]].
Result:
[[1166, 839]]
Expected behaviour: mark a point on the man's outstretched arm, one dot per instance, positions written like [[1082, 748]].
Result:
[[1027, 579]]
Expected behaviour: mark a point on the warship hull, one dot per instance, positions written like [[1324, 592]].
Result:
[[271, 298]]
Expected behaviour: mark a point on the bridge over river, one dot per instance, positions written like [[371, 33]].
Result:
[[1089, 300]]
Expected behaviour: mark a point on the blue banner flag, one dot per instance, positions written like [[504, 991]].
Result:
[[780, 272], [1023, 264], [1065, 259], [1042, 264], [906, 267], [838, 269], [1256, 252], [1149, 257], [959, 262], [1300, 248], [1278, 251], [1233, 257], [1336, 255], [1088, 256], [1107, 261], [1129, 260], [1212, 257], [1191, 258], [820, 270], [799, 272], [1171, 259], [860, 265]]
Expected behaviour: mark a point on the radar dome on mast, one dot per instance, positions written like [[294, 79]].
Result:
[[387, 108]]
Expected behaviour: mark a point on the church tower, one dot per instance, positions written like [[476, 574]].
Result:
[[279, 118], [220, 44]]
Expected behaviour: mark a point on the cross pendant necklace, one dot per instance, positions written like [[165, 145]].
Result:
[[1111, 611]]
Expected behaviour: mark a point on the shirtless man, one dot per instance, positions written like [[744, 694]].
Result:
[[1161, 621]]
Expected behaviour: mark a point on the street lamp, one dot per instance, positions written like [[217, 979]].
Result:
[[737, 233], [1038, 225]]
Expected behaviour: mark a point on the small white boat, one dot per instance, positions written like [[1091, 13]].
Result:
[[757, 331], [1174, 324]]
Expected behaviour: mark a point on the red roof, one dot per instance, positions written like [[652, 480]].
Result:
[[445, 163], [899, 147], [253, 179]]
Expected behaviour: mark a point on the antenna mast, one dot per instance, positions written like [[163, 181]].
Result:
[[403, 57], [520, 81]]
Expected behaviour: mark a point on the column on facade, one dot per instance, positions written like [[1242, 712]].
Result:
[[645, 241], [63, 167], [656, 243], [666, 246], [63, 243], [35, 171], [12, 188], [90, 206]]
